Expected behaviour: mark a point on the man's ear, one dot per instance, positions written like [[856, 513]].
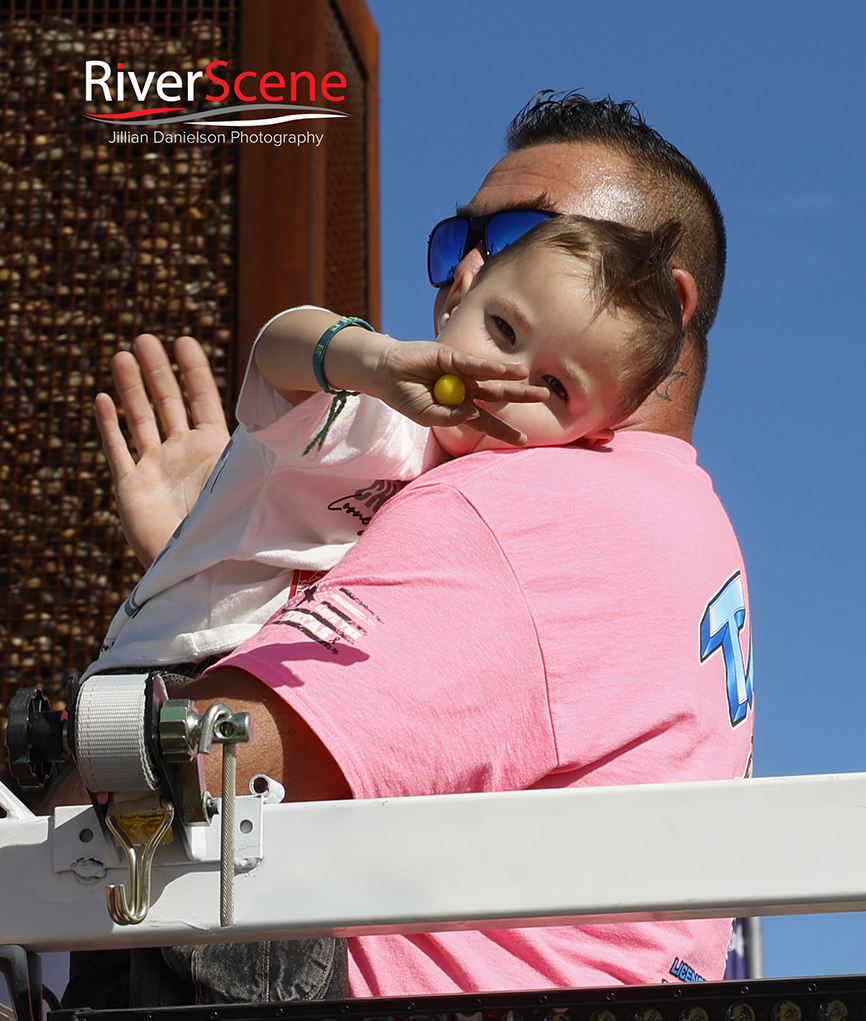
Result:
[[464, 278], [688, 292]]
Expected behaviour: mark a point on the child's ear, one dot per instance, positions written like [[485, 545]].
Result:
[[464, 278], [599, 438]]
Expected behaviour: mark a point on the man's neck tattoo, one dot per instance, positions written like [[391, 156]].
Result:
[[663, 392]]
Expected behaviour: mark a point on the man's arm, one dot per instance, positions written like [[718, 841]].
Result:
[[283, 746], [156, 491]]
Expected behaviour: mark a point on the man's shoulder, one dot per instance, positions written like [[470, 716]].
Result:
[[644, 486], [570, 469]]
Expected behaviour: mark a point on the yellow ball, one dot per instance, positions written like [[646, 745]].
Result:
[[450, 390]]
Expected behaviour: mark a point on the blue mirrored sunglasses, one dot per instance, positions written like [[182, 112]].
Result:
[[451, 239]]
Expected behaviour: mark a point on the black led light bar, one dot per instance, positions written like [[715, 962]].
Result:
[[797, 999]]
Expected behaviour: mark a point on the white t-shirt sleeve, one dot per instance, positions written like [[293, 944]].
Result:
[[259, 405]]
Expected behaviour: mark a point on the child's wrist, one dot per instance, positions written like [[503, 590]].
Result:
[[352, 359]]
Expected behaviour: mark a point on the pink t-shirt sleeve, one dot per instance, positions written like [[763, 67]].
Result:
[[370, 657]]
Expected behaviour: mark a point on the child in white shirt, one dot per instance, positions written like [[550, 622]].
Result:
[[557, 339]]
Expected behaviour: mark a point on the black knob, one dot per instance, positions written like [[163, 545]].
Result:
[[35, 736]]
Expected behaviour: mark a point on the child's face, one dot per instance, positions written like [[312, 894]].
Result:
[[537, 309]]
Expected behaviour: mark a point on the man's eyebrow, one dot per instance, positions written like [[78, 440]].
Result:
[[542, 203]]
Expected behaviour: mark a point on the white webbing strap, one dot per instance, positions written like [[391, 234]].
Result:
[[109, 734]]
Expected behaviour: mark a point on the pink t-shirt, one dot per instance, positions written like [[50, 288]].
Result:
[[554, 617]]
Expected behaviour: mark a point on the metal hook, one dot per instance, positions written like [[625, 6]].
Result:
[[139, 870]]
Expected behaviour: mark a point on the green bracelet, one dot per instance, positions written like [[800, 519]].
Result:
[[340, 396], [322, 347]]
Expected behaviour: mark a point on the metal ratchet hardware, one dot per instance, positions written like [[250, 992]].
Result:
[[175, 737], [219, 724]]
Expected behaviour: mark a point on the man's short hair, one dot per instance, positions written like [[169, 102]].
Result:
[[671, 186], [629, 274]]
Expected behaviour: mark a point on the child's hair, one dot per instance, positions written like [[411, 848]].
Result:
[[630, 272]]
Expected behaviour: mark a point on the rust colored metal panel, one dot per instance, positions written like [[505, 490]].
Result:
[[359, 29], [277, 194], [106, 233], [309, 215], [102, 236]]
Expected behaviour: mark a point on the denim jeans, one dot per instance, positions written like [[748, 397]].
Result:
[[304, 969]]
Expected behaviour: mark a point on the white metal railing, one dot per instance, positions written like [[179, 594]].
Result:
[[759, 847]]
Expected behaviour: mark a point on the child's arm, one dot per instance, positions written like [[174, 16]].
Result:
[[400, 373]]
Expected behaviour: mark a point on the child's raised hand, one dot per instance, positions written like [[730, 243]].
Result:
[[408, 371], [156, 489]]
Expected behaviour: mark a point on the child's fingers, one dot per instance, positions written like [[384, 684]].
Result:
[[116, 451], [482, 368], [138, 410], [161, 383], [500, 391], [205, 404], [495, 427]]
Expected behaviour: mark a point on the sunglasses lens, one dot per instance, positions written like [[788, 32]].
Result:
[[445, 250], [507, 227], [447, 244]]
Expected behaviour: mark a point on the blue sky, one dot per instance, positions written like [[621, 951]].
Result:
[[767, 99]]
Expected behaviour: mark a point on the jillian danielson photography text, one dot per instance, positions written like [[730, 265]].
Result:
[[219, 137]]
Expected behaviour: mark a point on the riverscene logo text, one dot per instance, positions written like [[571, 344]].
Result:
[[116, 85]]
